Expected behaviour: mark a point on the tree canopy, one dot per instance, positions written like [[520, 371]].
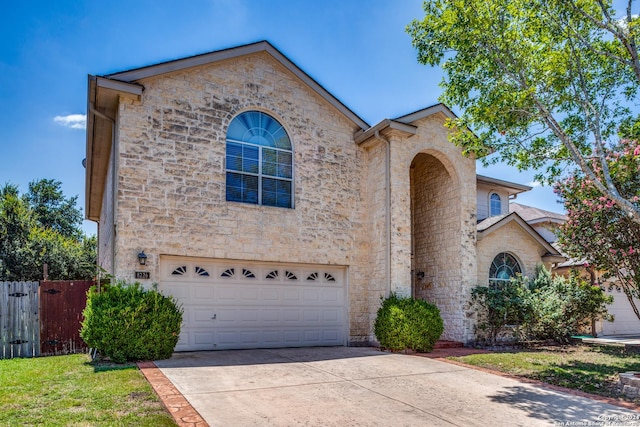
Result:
[[597, 230], [542, 84], [43, 227]]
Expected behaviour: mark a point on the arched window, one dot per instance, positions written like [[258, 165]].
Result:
[[495, 204], [259, 161], [503, 268]]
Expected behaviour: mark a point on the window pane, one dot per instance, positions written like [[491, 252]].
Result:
[[282, 139], [496, 205], [276, 193], [249, 189], [269, 162], [250, 159], [242, 188], [234, 156], [285, 161], [284, 194], [234, 187]]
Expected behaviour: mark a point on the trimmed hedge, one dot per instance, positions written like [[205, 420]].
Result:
[[408, 323], [127, 322]]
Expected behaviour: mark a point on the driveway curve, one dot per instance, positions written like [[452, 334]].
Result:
[[350, 386]]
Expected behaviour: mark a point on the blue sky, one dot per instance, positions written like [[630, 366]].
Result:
[[358, 50]]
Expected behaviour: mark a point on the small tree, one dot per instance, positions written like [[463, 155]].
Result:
[[597, 229]]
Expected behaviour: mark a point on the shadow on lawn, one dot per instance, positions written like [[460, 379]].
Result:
[[106, 366], [599, 376]]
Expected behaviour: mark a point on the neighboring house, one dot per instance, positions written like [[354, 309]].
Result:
[[276, 215]]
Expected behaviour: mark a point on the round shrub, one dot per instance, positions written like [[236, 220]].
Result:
[[127, 322], [408, 323]]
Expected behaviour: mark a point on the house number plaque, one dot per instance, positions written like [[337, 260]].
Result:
[[144, 275]]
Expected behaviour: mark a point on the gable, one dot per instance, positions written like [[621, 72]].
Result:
[[511, 223], [106, 93]]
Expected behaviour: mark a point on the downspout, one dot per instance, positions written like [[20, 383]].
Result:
[[113, 184], [387, 206]]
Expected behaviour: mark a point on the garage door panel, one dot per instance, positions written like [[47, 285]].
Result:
[[247, 315], [226, 293], [248, 294], [291, 294], [199, 317], [270, 315], [311, 315], [230, 305], [329, 315], [203, 293], [272, 294]]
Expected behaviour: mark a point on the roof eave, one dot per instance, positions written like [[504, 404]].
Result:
[[103, 96], [362, 136], [554, 259], [517, 188], [235, 52], [425, 112], [551, 251]]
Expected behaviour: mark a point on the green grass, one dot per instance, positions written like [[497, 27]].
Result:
[[73, 391], [586, 368]]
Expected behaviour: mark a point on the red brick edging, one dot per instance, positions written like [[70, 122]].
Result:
[[181, 410]]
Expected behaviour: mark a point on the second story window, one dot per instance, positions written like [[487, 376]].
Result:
[[495, 205], [259, 161]]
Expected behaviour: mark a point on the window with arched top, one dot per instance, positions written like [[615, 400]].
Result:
[[259, 161], [503, 268], [495, 204]]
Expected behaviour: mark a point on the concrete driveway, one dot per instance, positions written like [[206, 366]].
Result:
[[347, 386]]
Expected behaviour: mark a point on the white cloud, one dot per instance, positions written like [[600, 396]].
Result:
[[73, 121], [534, 184]]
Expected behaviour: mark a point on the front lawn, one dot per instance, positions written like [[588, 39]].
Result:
[[73, 391], [588, 368]]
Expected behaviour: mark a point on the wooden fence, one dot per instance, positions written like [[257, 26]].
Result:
[[19, 320], [41, 318]]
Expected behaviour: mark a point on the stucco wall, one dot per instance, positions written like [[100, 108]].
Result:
[[483, 200], [171, 182]]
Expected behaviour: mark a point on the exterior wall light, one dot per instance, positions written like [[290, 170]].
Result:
[[142, 258]]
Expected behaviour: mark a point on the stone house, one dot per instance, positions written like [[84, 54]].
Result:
[[276, 215]]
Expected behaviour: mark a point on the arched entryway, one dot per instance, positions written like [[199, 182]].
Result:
[[436, 238]]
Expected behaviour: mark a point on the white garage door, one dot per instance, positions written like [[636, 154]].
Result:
[[238, 304], [626, 322]]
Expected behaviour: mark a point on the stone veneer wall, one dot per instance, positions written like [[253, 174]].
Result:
[[455, 262], [513, 239], [377, 229], [435, 220], [171, 181]]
